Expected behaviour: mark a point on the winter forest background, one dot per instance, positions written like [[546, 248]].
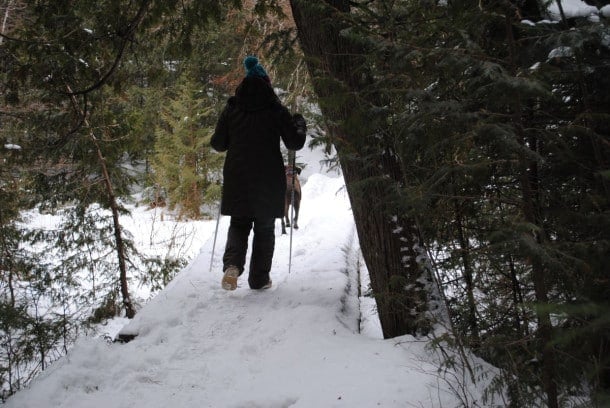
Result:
[[473, 138]]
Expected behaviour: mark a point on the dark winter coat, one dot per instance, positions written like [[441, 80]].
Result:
[[249, 130]]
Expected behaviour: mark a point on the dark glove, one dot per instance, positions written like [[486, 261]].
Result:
[[299, 124]]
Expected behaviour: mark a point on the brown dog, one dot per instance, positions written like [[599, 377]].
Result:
[[292, 180]]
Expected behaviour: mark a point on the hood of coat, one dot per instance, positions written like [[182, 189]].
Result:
[[254, 93]]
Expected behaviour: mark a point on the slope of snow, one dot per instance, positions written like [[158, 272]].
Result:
[[310, 341]]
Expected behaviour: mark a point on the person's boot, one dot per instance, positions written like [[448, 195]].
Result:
[[229, 279]]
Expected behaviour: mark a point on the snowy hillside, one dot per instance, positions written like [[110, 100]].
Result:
[[310, 341]]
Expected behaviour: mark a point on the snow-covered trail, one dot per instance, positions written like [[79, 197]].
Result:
[[296, 345]]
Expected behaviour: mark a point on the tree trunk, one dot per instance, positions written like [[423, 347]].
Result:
[[130, 311], [521, 323], [472, 322], [7, 11], [389, 241], [530, 202]]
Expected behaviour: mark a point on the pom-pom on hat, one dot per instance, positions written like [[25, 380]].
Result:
[[250, 62], [253, 68]]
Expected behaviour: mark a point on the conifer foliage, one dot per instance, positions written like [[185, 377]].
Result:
[[480, 128], [81, 84], [488, 134], [183, 162]]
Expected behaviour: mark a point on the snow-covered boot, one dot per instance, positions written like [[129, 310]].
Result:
[[229, 279]]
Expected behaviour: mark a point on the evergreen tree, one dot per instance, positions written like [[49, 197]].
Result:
[[487, 144], [70, 76], [342, 79], [495, 128], [184, 164]]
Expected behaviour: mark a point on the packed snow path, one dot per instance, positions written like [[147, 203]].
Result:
[[298, 344]]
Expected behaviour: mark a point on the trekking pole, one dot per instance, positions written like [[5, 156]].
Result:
[[294, 158], [215, 235]]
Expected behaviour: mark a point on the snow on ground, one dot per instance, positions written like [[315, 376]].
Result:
[[310, 341]]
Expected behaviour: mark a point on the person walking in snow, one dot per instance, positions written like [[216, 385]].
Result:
[[249, 129]]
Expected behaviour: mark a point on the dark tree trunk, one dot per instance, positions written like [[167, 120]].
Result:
[[529, 184], [521, 322], [468, 274], [390, 244], [130, 311]]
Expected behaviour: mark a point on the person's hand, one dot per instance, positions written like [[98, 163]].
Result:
[[299, 123]]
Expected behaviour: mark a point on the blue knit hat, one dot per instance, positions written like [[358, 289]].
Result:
[[253, 68]]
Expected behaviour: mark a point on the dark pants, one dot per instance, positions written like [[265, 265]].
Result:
[[263, 244]]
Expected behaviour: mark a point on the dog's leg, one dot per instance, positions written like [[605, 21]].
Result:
[[297, 206], [285, 217], [287, 207]]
